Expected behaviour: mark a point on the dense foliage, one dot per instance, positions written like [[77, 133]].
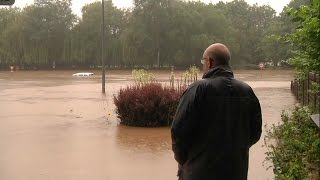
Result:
[[306, 38], [295, 147], [147, 105], [152, 33], [294, 144]]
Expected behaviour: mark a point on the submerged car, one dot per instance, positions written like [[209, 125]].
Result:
[[83, 74]]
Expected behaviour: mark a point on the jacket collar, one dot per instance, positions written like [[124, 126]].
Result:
[[222, 70]]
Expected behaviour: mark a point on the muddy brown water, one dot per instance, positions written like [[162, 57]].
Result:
[[57, 127]]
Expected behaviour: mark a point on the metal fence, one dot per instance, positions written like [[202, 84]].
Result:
[[305, 90], [307, 93]]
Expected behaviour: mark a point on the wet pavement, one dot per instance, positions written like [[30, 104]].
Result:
[[55, 126]]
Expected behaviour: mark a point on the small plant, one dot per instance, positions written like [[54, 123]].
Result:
[[148, 105], [294, 146], [141, 76], [187, 78], [192, 73]]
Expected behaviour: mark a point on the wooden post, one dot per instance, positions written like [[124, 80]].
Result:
[[308, 88], [296, 88], [318, 78], [297, 84], [315, 94], [303, 91]]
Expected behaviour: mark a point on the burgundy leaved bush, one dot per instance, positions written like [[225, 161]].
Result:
[[148, 105]]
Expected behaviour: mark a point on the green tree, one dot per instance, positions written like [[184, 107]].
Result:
[[10, 44], [152, 33], [85, 37], [306, 38]]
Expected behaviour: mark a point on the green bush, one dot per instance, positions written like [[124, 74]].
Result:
[[294, 146], [187, 78], [141, 76], [147, 105]]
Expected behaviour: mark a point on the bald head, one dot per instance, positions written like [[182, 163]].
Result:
[[218, 53]]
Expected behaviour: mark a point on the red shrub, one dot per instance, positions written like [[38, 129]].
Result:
[[149, 105]]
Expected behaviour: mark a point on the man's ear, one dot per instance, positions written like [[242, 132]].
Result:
[[211, 63]]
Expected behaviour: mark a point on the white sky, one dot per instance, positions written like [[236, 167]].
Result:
[[77, 4]]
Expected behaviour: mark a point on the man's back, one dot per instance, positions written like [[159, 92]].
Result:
[[217, 121]]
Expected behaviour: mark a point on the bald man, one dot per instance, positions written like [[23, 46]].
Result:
[[218, 119]]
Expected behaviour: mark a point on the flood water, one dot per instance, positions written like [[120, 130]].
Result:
[[57, 127]]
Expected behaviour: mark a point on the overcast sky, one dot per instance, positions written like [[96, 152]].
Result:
[[77, 4]]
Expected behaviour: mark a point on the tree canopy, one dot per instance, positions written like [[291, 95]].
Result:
[[306, 38], [154, 33]]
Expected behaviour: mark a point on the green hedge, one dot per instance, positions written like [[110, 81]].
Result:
[[294, 146]]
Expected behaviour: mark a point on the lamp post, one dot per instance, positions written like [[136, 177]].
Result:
[[102, 52]]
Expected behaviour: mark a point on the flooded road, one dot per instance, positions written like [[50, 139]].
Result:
[[57, 127]]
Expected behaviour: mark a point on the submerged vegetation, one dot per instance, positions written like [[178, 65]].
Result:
[[148, 103]]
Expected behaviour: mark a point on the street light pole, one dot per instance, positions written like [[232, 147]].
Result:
[[102, 53]]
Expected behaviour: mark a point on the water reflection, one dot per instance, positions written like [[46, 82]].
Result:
[[144, 140]]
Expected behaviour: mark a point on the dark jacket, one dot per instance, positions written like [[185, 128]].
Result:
[[218, 119]]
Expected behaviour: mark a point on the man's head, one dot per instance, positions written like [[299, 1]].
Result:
[[215, 55]]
